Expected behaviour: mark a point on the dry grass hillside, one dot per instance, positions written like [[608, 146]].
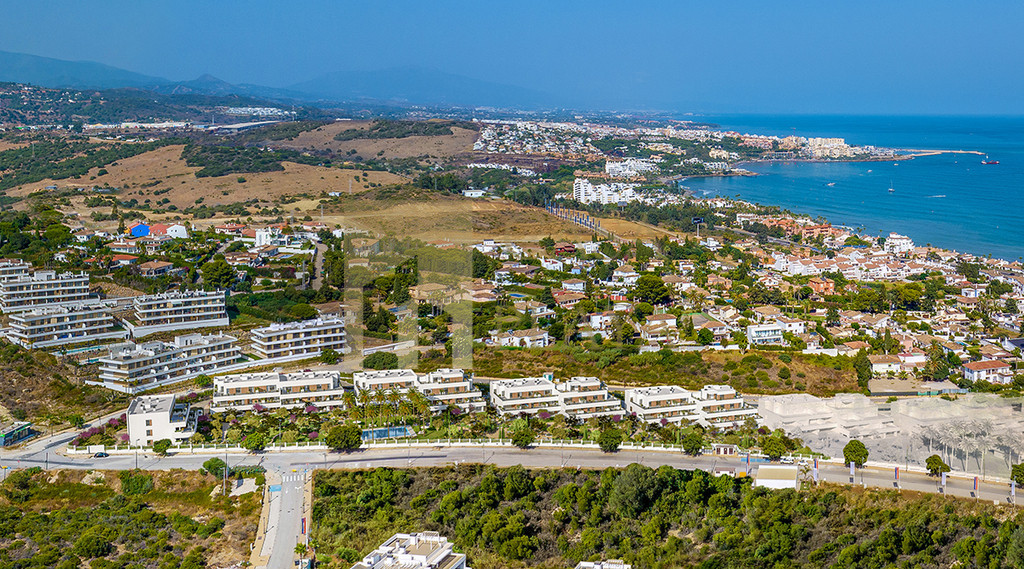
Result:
[[459, 142], [144, 175]]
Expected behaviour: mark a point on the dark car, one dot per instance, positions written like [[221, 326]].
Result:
[[100, 455]]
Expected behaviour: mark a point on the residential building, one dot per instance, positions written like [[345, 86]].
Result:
[[52, 326], [609, 564], [43, 288], [275, 390], [13, 269], [153, 418], [450, 387], [586, 397], [532, 338], [385, 380], [152, 269], [131, 367], [182, 310], [882, 364], [425, 550], [298, 340], [525, 395], [174, 230], [713, 405], [138, 229], [760, 334], [992, 371]]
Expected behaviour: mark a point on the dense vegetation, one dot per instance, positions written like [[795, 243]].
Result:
[[654, 518], [134, 519], [279, 131], [222, 160], [60, 158], [385, 128]]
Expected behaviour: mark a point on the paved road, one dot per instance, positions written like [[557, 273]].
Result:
[[318, 266], [286, 505]]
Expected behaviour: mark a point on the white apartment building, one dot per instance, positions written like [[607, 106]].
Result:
[[153, 418], [450, 387], [13, 269], [586, 397], [896, 244], [43, 288], [426, 550], [584, 191], [580, 397], [182, 310], [628, 168], [299, 340], [275, 390], [384, 380], [52, 326], [525, 395], [131, 367], [713, 405]]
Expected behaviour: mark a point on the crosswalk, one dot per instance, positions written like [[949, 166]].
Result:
[[294, 477]]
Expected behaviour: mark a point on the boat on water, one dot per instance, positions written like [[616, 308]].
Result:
[[831, 184], [988, 162], [891, 188]]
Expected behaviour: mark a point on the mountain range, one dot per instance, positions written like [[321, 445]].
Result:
[[405, 85]]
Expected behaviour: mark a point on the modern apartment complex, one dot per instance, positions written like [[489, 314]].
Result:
[[13, 269], [274, 390], [131, 367], [580, 397], [52, 326], [43, 288], [385, 380], [153, 418], [713, 405], [172, 311], [426, 550], [450, 387], [298, 340]]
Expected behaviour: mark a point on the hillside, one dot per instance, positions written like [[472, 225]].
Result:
[[459, 142], [512, 517]]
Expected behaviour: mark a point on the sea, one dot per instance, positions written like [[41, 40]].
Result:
[[951, 201]]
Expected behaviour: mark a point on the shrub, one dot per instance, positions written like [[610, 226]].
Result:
[[381, 360], [609, 440], [523, 438]]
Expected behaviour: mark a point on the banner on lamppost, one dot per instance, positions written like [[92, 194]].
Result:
[[851, 469], [896, 474], [943, 478]]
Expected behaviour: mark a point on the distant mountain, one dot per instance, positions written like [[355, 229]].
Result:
[[58, 73], [417, 85]]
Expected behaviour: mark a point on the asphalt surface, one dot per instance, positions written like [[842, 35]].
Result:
[[287, 503]]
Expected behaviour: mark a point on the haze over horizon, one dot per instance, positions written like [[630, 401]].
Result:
[[864, 58]]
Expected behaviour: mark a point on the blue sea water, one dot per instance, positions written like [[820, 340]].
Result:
[[951, 200]]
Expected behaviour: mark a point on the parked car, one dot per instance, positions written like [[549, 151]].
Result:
[[100, 455]]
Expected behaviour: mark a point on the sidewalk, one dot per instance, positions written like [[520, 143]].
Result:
[[264, 542]]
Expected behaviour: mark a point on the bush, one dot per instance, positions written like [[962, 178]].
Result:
[[215, 466], [92, 544], [162, 446], [855, 452], [693, 444], [523, 438], [135, 482], [784, 373], [346, 437], [381, 360], [609, 440]]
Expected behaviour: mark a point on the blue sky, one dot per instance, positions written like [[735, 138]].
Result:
[[741, 56]]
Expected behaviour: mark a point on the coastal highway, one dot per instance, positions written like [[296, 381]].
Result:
[[289, 471]]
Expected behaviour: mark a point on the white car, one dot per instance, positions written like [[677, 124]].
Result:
[[787, 460]]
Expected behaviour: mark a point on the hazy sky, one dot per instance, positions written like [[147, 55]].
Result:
[[736, 56]]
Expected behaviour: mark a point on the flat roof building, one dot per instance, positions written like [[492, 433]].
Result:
[[153, 418], [372, 381], [580, 397], [131, 367], [52, 326], [300, 340], [43, 288], [426, 550], [274, 390], [713, 405], [450, 387], [173, 311]]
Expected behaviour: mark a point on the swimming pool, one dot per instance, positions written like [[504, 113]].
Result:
[[387, 433]]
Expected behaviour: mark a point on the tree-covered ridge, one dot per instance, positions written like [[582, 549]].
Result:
[[222, 160], [61, 158], [113, 521], [385, 128], [512, 517]]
